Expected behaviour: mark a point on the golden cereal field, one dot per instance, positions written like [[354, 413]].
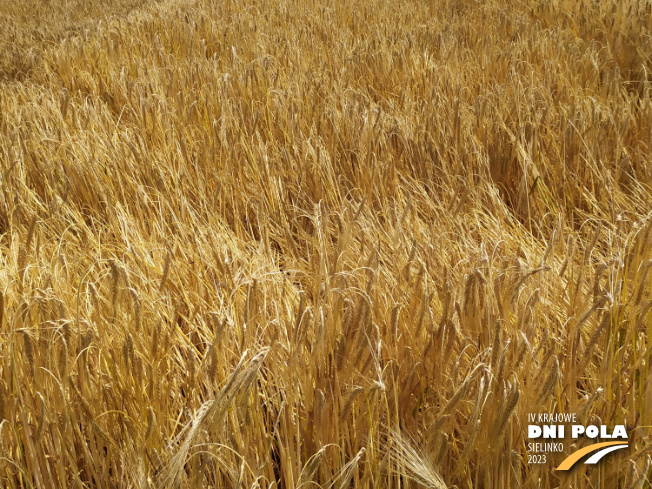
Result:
[[323, 244]]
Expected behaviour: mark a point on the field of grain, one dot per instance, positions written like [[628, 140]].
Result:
[[276, 244]]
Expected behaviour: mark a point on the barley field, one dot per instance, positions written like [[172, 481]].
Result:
[[276, 244]]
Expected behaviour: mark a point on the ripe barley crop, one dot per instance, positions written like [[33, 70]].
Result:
[[330, 244]]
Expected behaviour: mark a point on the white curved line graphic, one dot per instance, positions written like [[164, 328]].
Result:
[[595, 458]]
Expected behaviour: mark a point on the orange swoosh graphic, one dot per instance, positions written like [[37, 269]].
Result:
[[574, 457]]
